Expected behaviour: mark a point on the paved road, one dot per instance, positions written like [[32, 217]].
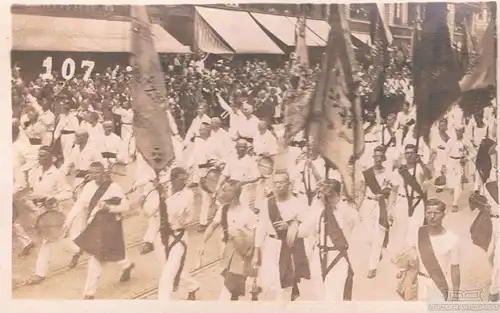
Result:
[[68, 285]]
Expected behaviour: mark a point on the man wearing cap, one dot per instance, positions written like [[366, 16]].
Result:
[[110, 144], [172, 204], [66, 124], [102, 202], [46, 183], [82, 155], [330, 223]]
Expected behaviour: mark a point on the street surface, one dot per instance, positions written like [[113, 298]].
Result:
[[62, 283]]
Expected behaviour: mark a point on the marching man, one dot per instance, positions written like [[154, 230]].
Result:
[[172, 238], [66, 125], [437, 250], [238, 223], [374, 211], [331, 221], [46, 182], [284, 260], [102, 201], [110, 144]]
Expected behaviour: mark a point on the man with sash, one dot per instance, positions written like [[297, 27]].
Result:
[[331, 222], [238, 223], [173, 209], [101, 201], [46, 184], [485, 232], [372, 134], [438, 253], [373, 209], [406, 202], [284, 260]]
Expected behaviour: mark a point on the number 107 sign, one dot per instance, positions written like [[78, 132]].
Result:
[[69, 68]]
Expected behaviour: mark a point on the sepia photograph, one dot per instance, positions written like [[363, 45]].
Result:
[[269, 152]]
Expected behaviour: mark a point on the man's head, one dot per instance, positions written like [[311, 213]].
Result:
[[93, 118], [246, 109], [411, 154], [281, 181], [391, 119], [45, 156], [406, 107], [434, 212], [230, 192], [379, 156], [81, 137], [329, 190], [241, 147], [205, 130], [108, 127], [216, 123], [202, 109], [460, 132], [443, 124], [262, 126], [178, 178], [97, 173]]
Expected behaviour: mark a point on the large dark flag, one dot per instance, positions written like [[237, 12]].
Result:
[[335, 125], [485, 71], [381, 38], [435, 70], [151, 124]]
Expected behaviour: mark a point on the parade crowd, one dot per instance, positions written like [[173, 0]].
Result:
[[289, 229]]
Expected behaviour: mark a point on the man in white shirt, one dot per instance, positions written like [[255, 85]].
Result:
[[264, 141], [110, 144], [330, 221], [243, 168], [82, 156], [46, 183], [196, 124], [438, 252], [101, 202], [45, 117], [93, 127], [177, 204], [66, 125], [277, 237]]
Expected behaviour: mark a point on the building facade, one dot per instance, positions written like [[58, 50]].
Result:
[[399, 16]]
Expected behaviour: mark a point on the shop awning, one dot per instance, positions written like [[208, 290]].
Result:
[[239, 30], [362, 38], [207, 39], [48, 33], [312, 39], [320, 28], [283, 29]]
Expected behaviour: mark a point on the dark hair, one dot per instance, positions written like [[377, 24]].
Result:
[[411, 146], [45, 149], [333, 185], [436, 202], [236, 184], [380, 149], [96, 164], [176, 172]]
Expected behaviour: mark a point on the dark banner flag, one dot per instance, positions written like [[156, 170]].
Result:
[[435, 70], [336, 126], [151, 124], [381, 38]]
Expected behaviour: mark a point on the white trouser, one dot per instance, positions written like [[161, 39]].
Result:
[[427, 290], [67, 141], [171, 267], [152, 230], [370, 213], [43, 259], [206, 201], [21, 234], [94, 272], [495, 271], [454, 178]]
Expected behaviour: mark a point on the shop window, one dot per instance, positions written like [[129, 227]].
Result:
[[359, 11], [398, 14]]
